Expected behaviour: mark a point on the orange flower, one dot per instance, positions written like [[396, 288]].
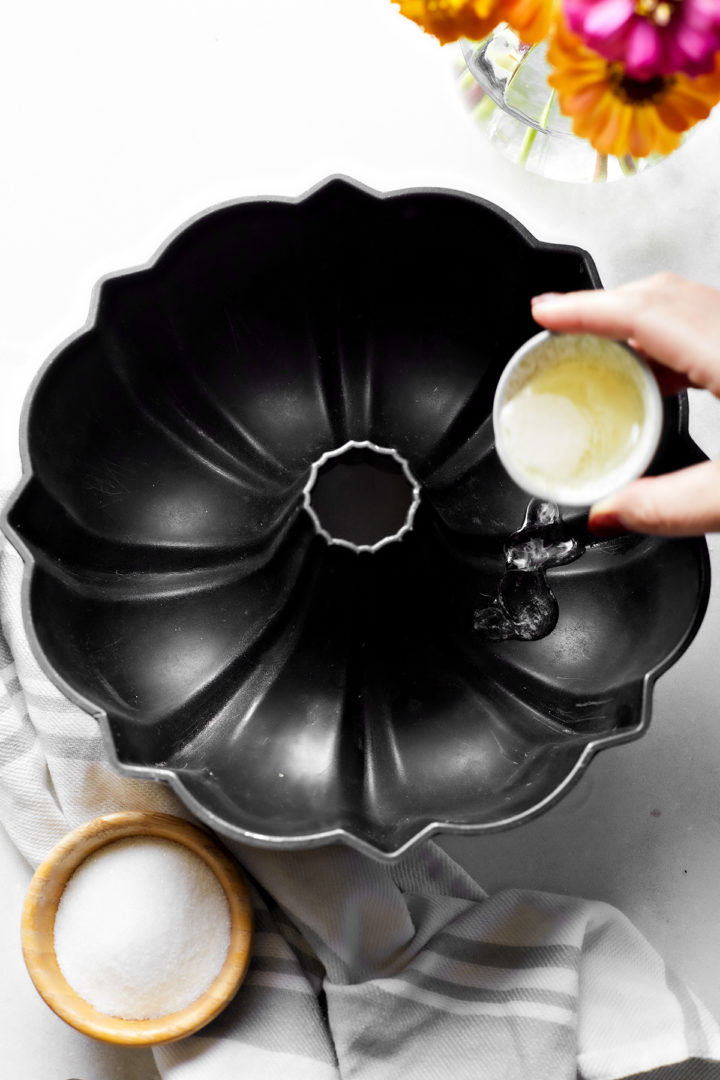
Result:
[[620, 115], [449, 20], [530, 19]]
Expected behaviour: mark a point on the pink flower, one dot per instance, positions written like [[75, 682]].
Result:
[[650, 37]]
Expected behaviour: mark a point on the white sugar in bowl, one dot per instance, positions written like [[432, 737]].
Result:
[[137, 928]]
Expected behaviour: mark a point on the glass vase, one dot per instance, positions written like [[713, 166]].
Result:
[[504, 82]]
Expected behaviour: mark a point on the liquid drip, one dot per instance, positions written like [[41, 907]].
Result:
[[525, 607]]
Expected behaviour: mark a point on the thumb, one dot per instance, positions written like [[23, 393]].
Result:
[[683, 503]]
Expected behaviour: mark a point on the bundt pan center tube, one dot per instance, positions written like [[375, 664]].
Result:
[[270, 546]]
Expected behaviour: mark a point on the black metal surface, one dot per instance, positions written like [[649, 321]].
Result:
[[293, 691]]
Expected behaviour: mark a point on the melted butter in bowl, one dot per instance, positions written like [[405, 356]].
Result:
[[576, 417]]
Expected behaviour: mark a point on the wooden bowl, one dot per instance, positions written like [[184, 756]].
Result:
[[38, 925]]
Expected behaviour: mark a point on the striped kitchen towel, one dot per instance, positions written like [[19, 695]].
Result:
[[366, 970]]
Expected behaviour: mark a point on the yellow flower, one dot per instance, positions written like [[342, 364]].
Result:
[[620, 115], [449, 20]]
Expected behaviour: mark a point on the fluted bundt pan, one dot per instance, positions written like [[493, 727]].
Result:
[[297, 679]]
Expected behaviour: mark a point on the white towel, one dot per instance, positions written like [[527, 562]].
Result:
[[366, 970]]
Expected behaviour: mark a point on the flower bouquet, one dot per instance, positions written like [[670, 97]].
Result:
[[627, 77]]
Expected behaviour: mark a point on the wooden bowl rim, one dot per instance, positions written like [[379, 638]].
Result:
[[38, 921]]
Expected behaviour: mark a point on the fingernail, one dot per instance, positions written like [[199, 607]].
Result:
[[606, 524], [545, 298]]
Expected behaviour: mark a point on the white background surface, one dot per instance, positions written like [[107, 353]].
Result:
[[121, 120]]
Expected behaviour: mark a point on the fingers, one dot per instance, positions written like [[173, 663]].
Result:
[[683, 503], [675, 324], [608, 312], [674, 321]]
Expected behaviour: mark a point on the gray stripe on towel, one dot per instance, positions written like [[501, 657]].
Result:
[[482, 993], [18, 742], [74, 747], [515, 957]]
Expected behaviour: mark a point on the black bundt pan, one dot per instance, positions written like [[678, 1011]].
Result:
[[295, 692]]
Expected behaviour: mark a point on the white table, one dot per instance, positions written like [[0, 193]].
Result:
[[121, 120]]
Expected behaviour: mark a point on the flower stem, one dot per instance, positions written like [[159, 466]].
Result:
[[531, 133], [467, 80], [545, 114], [627, 164], [601, 165], [483, 108]]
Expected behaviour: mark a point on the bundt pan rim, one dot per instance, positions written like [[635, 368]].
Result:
[[174, 778]]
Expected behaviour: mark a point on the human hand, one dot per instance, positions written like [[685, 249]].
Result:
[[675, 324]]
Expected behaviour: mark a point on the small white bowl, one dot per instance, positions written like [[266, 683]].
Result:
[[521, 366]]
